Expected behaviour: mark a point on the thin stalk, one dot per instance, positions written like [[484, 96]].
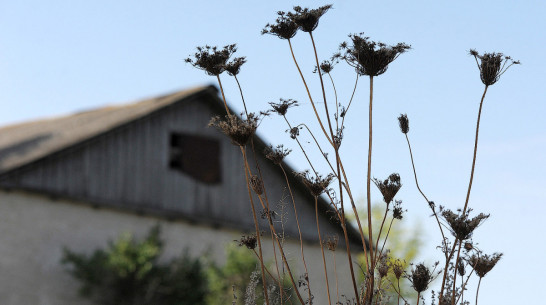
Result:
[[368, 196], [335, 273], [475, 151], [424, 196], [241, 91], [386, 236], [350, 101], [478, 290], [299, 229], [257, 229], [380, 230], [399, 291], [322, 87], [455, 274], [309, 94], [223, 96], [322, 251], [448, 259], [337, 103], [418, 295]]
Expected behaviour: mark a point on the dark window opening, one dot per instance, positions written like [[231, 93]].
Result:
[[196, 156]]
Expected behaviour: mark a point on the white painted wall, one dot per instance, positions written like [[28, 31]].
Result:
[[34, 229]]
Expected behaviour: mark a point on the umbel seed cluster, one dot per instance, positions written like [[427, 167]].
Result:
[[377, 274]]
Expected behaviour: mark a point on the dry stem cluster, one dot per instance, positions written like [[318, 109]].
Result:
[[370, 59]]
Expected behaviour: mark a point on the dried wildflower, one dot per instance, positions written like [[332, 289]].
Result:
[[397, 210], [233, 67], [404, 123], [257, 184], [294, 132], [397, 267], [389, 187], [212, 59], [383, 266], [282, 107], [482, 265], [284, 27], [492, 65], [308, 19], [468, 246], [325, 67], [249, 241], [276, 154], [331, 242], [316, 185], [370, 57], [238, 130], [420, 278], [268, 214], [461, 226]]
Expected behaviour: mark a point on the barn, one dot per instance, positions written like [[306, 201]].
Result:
[[83, 179]]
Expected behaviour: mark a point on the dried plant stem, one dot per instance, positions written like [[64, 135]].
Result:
[[418, 296], [380, 230], [299, 229], [448, 259], [399, 291], [261, 258], [322, 251], [335, 273], [309, 94], [475, 151], [424, 196], [386, 236], [455, 274], [242, 96], [272, 228], [368, 196], [323, 91], [267, 270], [223, 96], [350, 101], [478, 290], [337, 103]]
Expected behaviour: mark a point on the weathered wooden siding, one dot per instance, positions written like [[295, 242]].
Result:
[[128, 167]]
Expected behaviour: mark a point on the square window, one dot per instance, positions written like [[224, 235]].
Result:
[[196, 156]]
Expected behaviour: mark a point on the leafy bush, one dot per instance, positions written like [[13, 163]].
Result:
[[128, 272]]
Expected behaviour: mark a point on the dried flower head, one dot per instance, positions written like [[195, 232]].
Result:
[[370, 57], [460, 268], [316, 185], [249, 241], [212, 59], [468, 246], [276, 154], [397, 267], [397, 211], [404, 123], [331, 242], [461, 226], [257, 184], [233, 67], [483, 264], [308, 19], [383, 266], [294, 132], [492, 65], [420, 277], [389, 187], [284, 27], [282, 107], [238, 130], [325, 67]]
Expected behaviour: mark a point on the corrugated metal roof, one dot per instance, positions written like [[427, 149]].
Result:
[[23, 143]]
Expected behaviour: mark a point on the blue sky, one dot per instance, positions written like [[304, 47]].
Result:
[[59, 57]]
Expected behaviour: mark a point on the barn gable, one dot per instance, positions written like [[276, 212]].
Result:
[[154, 156]]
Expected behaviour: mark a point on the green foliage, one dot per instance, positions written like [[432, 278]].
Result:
[[403, 243], [128, 273], [240, 263]]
